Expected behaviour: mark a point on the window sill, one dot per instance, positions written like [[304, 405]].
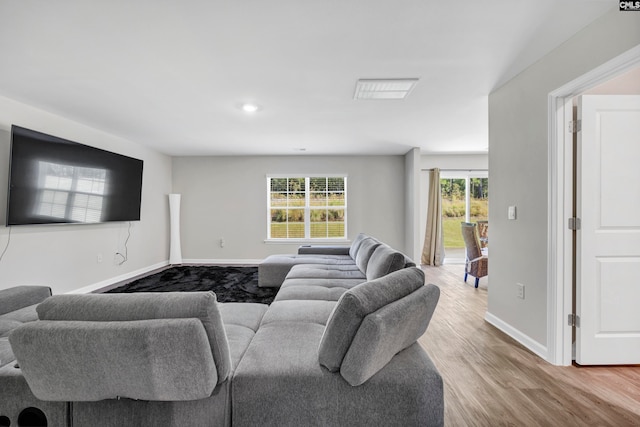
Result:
[[307, 241]]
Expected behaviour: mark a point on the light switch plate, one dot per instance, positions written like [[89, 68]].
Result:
[[511, 213]]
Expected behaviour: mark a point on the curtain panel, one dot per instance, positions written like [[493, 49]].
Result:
[[433, 249]]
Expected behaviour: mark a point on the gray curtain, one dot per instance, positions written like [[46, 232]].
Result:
[[433, 249]]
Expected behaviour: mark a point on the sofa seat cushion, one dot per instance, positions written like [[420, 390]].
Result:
[[274, 268], [315, 289], [327, 259], [310, 293], [248, 315], [343, 282], [241, 321], [311, 311], [324, 282], [325, 267], [359, 302], [23, 315], [304, 272], [407, 391]]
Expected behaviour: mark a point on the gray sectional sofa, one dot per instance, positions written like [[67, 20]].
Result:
[[337, 347]]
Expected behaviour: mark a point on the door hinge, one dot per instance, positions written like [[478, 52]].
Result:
[[574, 320], [575, 126], [574, 223]]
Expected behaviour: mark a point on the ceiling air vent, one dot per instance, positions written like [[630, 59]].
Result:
[[384, 88]]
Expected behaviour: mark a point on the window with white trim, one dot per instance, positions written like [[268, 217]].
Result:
[[306, 207]]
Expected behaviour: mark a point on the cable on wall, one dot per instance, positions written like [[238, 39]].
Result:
[[125, 257], [7, 245]]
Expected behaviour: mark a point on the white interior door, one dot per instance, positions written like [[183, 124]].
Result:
[[608, 245]]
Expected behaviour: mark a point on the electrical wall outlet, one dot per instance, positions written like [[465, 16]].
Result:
[[520, 290], [99, 258], [222, 242]]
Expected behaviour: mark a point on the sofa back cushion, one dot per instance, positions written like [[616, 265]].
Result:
[[355, 245], [386, 332], [144, 306], [358, 302], [160, 359], [383, 261], [365, 250]]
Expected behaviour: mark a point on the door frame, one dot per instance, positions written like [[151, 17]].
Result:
[[560, 198]]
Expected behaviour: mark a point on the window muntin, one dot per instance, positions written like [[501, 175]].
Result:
[[312, 207]]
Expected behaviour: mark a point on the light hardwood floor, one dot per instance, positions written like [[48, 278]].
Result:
[[491, 380]]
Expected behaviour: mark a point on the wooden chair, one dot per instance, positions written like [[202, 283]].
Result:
[[483, 233], [476, 264]]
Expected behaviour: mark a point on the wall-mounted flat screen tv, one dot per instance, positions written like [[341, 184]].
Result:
[[55, 181]]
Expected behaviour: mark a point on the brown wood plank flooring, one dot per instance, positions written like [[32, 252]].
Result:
[[491, 380]]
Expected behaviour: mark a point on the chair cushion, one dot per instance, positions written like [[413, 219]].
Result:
[[355, 304], [387, 332], [144, 306]]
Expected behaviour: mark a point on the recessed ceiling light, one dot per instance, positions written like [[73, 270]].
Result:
[[384, 88], [249, 107]]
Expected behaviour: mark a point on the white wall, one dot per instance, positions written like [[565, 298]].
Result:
[[518, 165], [226, 197], [462, 162], [64, 257]]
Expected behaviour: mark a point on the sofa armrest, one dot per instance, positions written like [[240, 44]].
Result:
[[323, 250], [18, 297]]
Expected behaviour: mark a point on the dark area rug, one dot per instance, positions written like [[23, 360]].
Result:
[[230, 284]]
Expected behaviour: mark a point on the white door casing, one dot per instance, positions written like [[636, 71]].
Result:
[[608, 245]]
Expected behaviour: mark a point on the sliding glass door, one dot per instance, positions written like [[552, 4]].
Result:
[[465, 198]]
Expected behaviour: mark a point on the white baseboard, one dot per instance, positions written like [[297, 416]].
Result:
[[517, 335], [223, 261], [123, 277]]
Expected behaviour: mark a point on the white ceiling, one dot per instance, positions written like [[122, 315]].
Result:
[[171, 74]]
